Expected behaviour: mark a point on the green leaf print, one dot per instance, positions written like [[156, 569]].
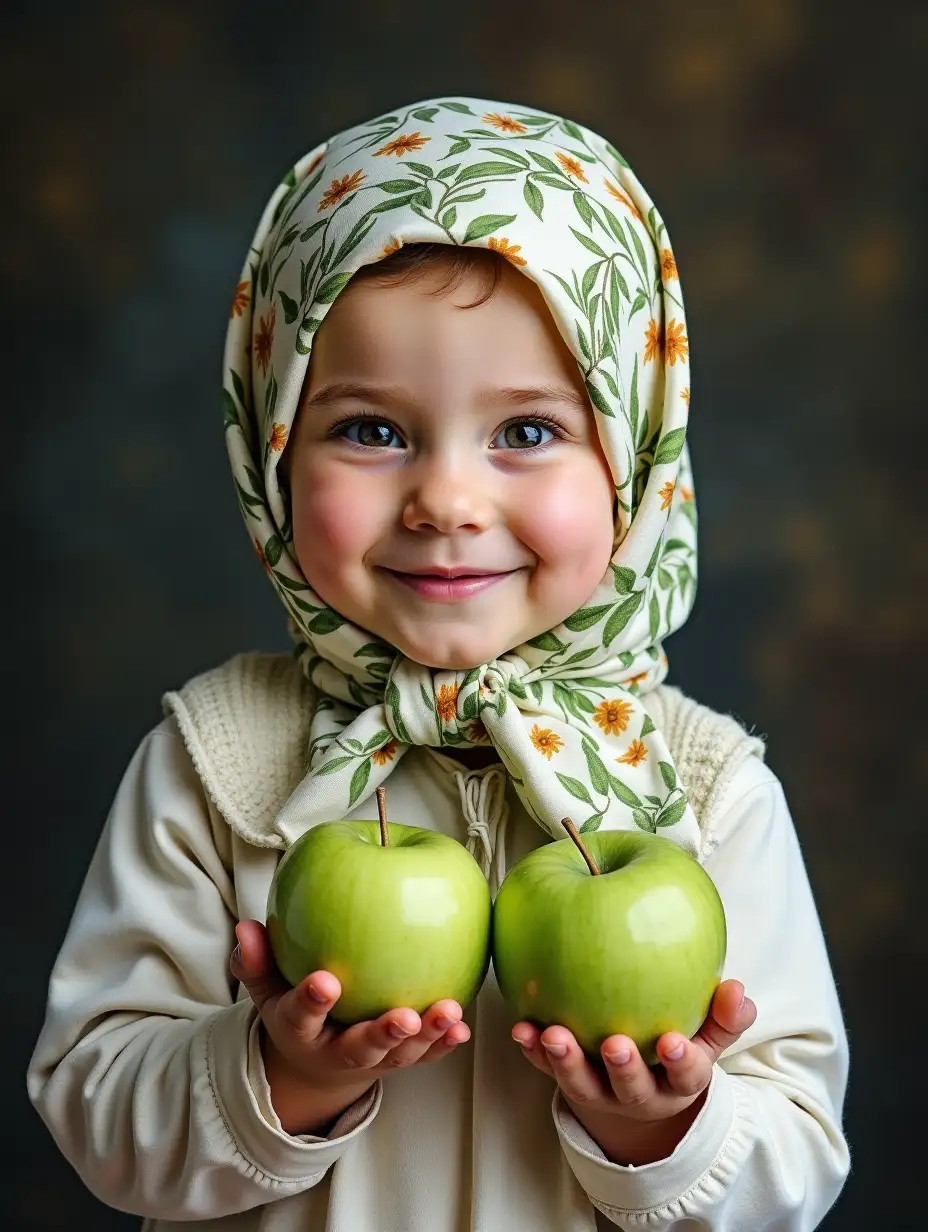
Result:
[[547, 641], [486, 224], [572, 130], [461, 108], [330, 767], [647, 727], [458, 147], [670, 447], [290, 306], [642, 820], [393, 701], [598, 400], [373, 650], [586, 617], [325, 622], [654, 616], [616, 155], [670, 815], [425, 113], [599, 775], [592, 824], [273, 550], [519, 159], [551, 181], [229, 410], [623, 793], [449, 218], [624, 579], [393, 203], [331, 288], [588, 243], [583, 208], [477, 171], [533, 198], [399, 186], [620, 617], [469, 708], [545, 163], [576, 788], [669, 775], [640, 301], [359, 781]]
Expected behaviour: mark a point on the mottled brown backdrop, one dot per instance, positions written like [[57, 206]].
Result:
[[783, 142]]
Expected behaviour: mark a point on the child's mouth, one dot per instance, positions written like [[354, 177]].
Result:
[[443, 588]]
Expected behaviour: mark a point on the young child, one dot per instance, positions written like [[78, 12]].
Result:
[[456, 394]]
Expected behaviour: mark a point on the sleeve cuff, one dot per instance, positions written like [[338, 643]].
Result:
[[618, 1189], [236, 1073]]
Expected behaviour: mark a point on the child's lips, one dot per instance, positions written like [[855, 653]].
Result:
[[445, 588]]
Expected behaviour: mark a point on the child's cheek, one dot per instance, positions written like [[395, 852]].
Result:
[[572, 537], [336, 523]]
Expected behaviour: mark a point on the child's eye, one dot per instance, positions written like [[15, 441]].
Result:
[[523, 434], [371, 433]]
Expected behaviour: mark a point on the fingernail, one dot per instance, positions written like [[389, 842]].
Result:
[[620, 1056], [742, 1001], [556, 1050], [237, 954], [443, 1022], [398, 1032], [674, 1054], [316, 995]]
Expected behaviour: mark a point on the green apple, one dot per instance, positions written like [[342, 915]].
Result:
[[401, 924], [636, 950]]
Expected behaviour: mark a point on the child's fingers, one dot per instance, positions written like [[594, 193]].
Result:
[[436, 1021], [304, 1009], [528, 1038], [452, 1038], [730, 1014], [573, 1072], [688, 1068], [367, 1043], [252, 965], [632, 1082]]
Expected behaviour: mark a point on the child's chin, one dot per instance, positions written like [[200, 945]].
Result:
[[453, 656]]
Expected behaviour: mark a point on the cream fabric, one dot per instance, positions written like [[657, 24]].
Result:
[[148, 1071]]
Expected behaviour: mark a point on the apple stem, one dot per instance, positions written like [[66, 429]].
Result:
[[575, 835], [382, 810]]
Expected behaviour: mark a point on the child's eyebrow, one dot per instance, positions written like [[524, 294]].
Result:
[[509, 395]]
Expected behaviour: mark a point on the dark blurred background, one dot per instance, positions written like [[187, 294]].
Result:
[[784, 144]]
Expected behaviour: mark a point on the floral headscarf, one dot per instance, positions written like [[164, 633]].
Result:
[[567, 710]]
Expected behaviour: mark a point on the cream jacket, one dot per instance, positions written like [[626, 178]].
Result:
[[149, 1076]]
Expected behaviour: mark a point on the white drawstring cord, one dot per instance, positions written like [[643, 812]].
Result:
[[483, 803]]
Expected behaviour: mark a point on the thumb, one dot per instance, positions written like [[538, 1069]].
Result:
[[252, 964]]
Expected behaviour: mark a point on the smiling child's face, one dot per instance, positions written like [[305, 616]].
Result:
[[448, 489]]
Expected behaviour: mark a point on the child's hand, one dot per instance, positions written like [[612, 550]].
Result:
[[315, 1068], [630, 1089]]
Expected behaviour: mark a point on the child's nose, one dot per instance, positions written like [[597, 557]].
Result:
[[447, 500]]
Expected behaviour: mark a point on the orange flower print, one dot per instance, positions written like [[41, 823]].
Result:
[[676, 343], [259, 551], [403, 144], [621, 197], [507, 250], [686, 493], [387, 753], [392, 247], [668, 266], [572, 166], [634, 755], [653, 341], [666, 494], [613, 716], [264, 339], [636, 680], [240, 299], [278, 437], [477, 733], [339, 189], [313, 165], [505, 124], [447, 702], [685, 395], [546, 741]]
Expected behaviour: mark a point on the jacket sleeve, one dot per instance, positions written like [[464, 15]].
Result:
[[767, 1150], [147, 1071]]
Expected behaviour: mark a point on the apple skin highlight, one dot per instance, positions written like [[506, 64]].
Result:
[[636, 951]]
